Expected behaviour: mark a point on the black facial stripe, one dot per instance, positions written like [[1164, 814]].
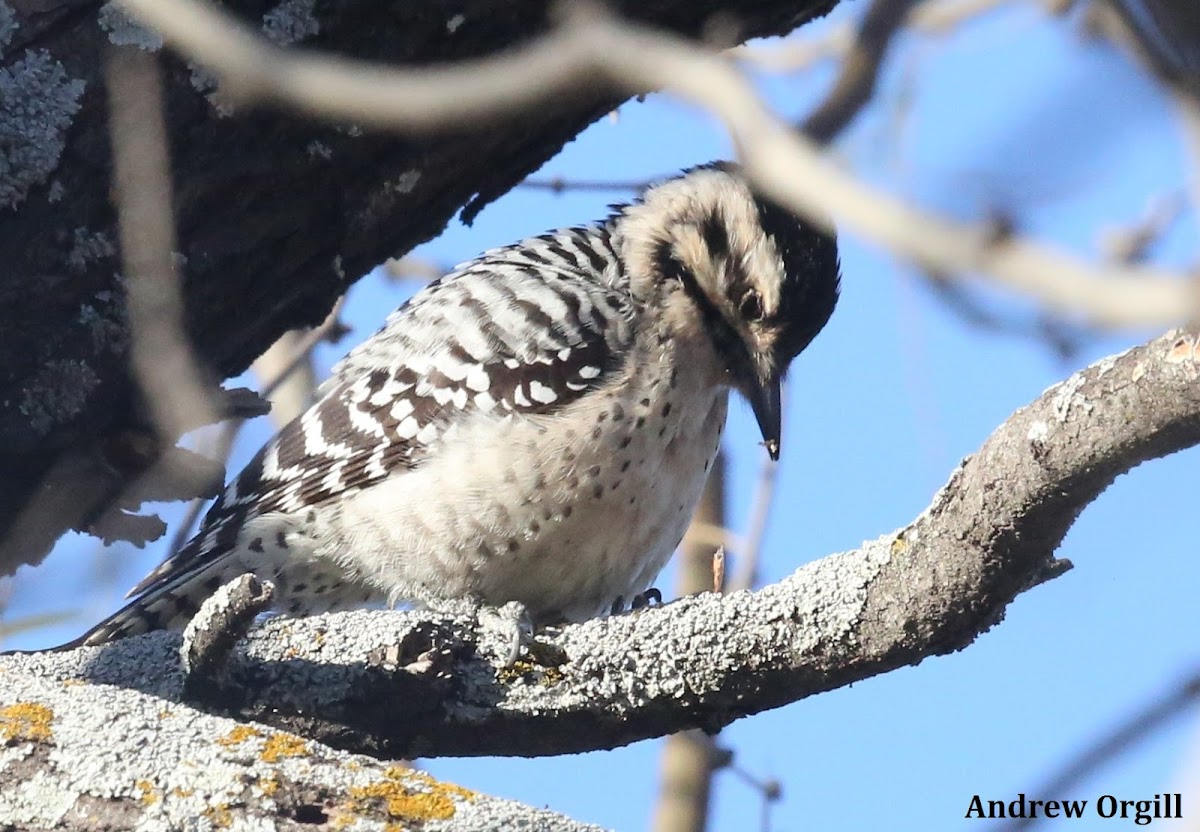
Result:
[[728, 344]]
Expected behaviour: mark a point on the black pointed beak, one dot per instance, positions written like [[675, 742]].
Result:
[[764, 400]]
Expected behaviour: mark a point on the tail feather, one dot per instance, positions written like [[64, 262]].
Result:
[[200, 551], [169, 607]]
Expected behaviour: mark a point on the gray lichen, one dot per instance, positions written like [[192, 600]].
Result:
[[319, 150], [205, 82], [105, 323], [291, 21], [37, 102], [8, 25], [88, 247], [58, 392], [125, 31]]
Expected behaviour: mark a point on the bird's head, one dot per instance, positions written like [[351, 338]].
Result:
[[760, 281]]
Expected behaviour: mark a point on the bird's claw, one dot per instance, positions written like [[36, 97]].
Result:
[[640, 601], [645, 599], [511, 623]]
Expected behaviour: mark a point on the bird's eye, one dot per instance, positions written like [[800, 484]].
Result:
[[751, 307]]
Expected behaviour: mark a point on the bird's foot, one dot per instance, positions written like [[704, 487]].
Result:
[[512, 624], [651, 596], [645, 599]]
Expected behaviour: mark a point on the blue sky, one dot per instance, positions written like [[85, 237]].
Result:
[[1017, 113]]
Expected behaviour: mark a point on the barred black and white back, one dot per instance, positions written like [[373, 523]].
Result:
[[535, 426]]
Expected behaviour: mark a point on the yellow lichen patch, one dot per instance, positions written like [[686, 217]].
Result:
[[551, 676], [531, 672], [899, 544], [516, 671], [268, 786], [238, 735], [429, 782], [1183, 350], [219, 816], [148, 796], [73, 683], [25, 722], [279, 746], [430, 800], [181, 792]]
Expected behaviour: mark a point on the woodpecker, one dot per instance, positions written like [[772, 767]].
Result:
[[534, 427]]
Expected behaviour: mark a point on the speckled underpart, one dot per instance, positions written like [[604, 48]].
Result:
[[536, 426]]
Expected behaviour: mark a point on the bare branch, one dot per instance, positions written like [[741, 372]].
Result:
[[768, 788], [1131, 244], [1139, 726], [786, 166], [330, 330], [162, 358], [1060, 336], [414, 268], [251, 68], [856, 82], [749, 552], [1165, 35], [706, 660], [932, 17], [101, 759], [559, 184]]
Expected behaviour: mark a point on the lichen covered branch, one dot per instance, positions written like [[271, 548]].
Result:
[[706, 660]]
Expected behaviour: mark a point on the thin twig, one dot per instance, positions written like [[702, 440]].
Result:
[[559, 184], [1132, 244], [769, 789], [1065, 340], [162, 358], [1138, 727], [250, 68], [1165, 35], [756, 528], [860, 69], [322, 332], [748, 547], [708, 534], [932, 17]]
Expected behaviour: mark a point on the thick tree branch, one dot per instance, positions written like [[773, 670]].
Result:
[[401, 685], [111, 760]]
